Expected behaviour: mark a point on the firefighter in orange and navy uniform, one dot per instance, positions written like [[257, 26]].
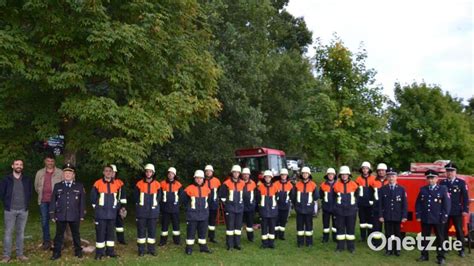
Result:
[[267, 193], [365, 201], [345, 209], [147, 197], [172, 193], [284, 203], [304, 196], [119, 223], [231, 195], [249, 196], [105, 201], [327, 196], [197, 213], [213, 183], [379, 181]]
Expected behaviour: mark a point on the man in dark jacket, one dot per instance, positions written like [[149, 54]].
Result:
[[68, 207], [197, 213], [432, 209], [105, 201], [457, 189], [15, 193], [392, 211], [147, 198]]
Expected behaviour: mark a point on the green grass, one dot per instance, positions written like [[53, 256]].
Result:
[[285, 252]]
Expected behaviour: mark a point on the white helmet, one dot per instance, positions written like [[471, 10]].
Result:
[[236, 168], [114, 167], [246, 171], [366, 164], [381, 166], [172, 170], [199, 173], [268, 173], [331, 171], [306, 170], [209, 167], [150, 166], [284, 171], [344, 170]]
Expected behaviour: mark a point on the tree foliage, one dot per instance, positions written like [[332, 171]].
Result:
[[342, 119], [427, 125], [115, 77]]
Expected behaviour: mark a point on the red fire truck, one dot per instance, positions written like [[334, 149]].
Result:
[[412, 182], [260, 159]]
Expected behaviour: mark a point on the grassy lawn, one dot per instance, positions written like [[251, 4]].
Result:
[[285, 253]]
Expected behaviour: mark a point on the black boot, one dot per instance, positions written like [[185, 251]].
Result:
[[229, 242], [121, 238], [282, 235], [141, 250], [340, 245], [237, 242], [204, 248], [264, 243], [309, 241], [46, 245], [163, 240], [325, 237], [334, 235], [363, 234], [110, 252], [423, 258], [212, 236], [300, 241], [250, 236], [177, 240], [188, 250], [56, 256], [271, 243], [98, 256], [78, 254], [151, 249]]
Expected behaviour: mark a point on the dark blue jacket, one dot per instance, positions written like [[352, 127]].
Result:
[[458, 194], [267, 198], [249, 196], [195, 199], [433, 206], [392, 204], [6, 189], [68, 204]]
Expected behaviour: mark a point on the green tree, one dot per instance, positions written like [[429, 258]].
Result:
[[342, 118], [427, 125], [116, 78], [259, 47]]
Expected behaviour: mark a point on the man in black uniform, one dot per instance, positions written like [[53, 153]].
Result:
[[68, 207], [432, 209], [392, 209], [457, 190]]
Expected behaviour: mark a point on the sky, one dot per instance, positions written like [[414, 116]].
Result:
[[406, 41]]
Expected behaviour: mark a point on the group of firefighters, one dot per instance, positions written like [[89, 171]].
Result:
[[377, 199]]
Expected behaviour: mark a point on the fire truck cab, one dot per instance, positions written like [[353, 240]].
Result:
[[260, 159]]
